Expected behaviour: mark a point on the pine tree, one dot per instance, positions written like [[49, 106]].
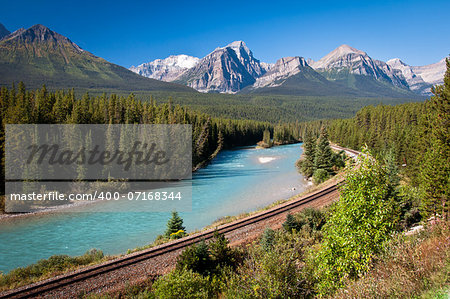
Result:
[[435, 170], [174, 224], [290, 223], [324, 154], [266, 138], [309, 154]]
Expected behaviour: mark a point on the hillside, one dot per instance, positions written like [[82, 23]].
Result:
[[39, 56]]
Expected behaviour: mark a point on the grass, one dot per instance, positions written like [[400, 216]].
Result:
[[46, 268]]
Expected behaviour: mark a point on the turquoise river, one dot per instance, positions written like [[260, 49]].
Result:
[[236, 181]]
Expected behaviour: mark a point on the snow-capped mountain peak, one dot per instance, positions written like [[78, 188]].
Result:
[[168, 69], [395, 62]]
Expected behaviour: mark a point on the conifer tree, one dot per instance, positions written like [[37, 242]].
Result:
[[266, 138], [174, 224], [435, 170], [324, 155], [309, 154]]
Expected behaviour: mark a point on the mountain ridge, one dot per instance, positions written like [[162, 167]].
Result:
[[227, 69], [38, 55], [348, 70], [420, 78]]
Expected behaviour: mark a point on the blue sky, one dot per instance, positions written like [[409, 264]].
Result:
[[132, 32]]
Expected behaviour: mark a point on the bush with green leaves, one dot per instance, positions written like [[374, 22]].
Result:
[[276, 273], [409, 205], [320, 176], [268, 239], [338, 160], [221, 254], [360, 224], [183, 284], [290, 224], [309, 218], [208, 258], [196, 258]]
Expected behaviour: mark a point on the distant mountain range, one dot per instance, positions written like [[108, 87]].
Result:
[[38, 55], [344, 71]]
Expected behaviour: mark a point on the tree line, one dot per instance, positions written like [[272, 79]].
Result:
[[209, 134], [416, 135]]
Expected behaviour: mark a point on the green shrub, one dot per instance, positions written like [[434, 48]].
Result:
[[310, 218], [416, 266], [320, 176], [207, 259], [338, 160], [410, 199], [183, 284], [360, 224], [222, 255], [277, 273], [290, 224], [268, 239], [196, 258]]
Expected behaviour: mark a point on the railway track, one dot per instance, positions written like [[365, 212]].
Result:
[[41, 288], [353, 153]]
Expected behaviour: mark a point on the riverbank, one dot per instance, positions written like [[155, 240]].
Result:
[[163, 264], [235, 183]]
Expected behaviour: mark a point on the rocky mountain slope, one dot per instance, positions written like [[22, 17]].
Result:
[[357, 70], [227, 70], [344, 71], [420, 78], [38, 55], [293, 75]]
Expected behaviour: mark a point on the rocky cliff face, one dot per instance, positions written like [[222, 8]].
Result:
[[420, 78], [345, 70], [280, 71], [347, 60], [168, 69], [225, 70]]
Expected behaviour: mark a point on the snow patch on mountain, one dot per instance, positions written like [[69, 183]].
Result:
[[168, 69]]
